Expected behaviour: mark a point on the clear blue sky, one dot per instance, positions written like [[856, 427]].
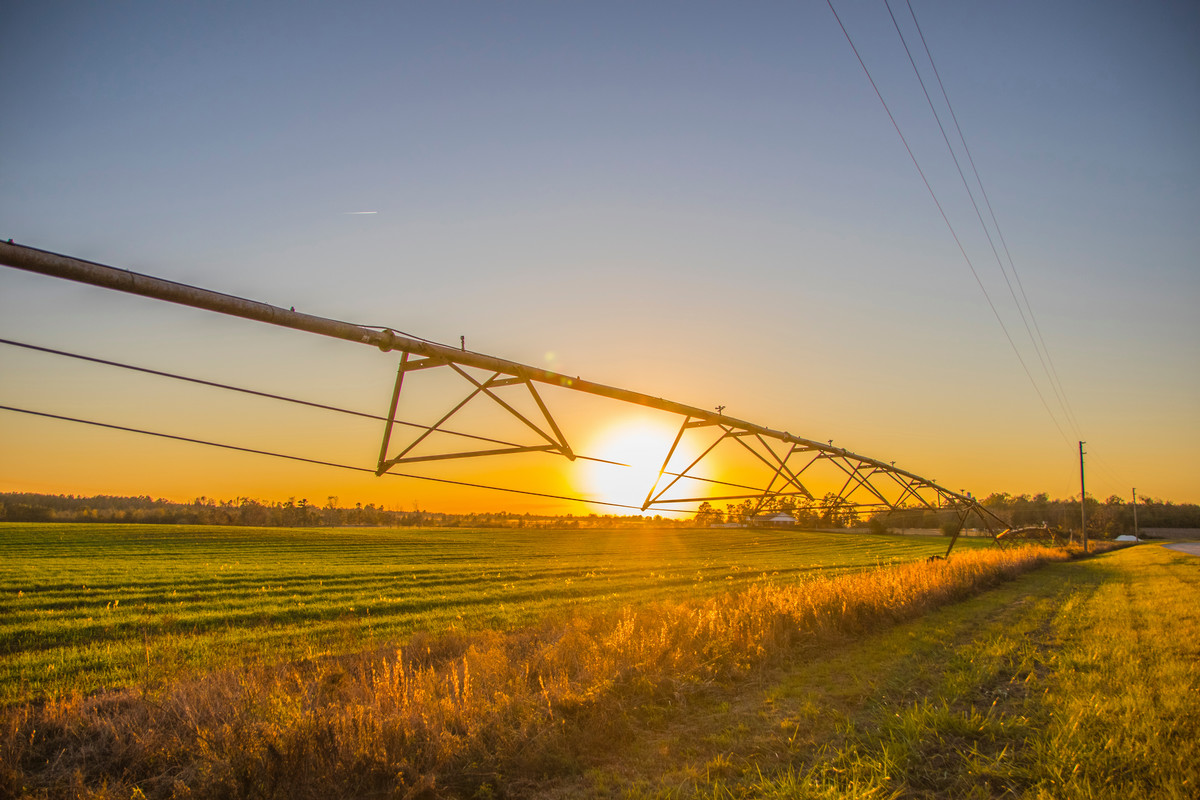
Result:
[[701, 201]]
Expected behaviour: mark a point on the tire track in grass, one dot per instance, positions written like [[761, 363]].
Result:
[[1068, 683], [792, 720], [1022, 691]]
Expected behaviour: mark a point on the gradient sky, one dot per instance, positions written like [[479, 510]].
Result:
[[705, 202]]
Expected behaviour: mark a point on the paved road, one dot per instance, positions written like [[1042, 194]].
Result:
[[1192, 548]]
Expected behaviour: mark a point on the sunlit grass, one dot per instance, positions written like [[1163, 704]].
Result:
[[1079, 681], [465, 710], [92, 607]]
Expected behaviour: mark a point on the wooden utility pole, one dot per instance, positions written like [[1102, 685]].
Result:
[[1135, 528], [1082, 499]]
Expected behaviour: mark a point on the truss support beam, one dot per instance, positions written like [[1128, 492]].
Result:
[[666, 461], [962, 521], [391, 417], [418, 354], [555, 442]]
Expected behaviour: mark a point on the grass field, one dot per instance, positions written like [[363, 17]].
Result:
[[91, 607], [1077, 680], [689, 665]]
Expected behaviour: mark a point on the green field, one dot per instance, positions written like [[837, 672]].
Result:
[[89, 607], [591, 664]]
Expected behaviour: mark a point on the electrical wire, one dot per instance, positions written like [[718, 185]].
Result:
[[1021, 311], [1037, 339], [1108, 469], [320, 462], [1047, 362], [987, 296]]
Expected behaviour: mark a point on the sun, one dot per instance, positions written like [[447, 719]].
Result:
[[638, 446]]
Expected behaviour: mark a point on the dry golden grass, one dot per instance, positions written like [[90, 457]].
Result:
[[454, 713]]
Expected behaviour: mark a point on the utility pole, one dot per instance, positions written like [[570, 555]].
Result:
[[1135, 528], [1082, 499]]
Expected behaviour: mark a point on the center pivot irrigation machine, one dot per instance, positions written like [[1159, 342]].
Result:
[[782, 466]]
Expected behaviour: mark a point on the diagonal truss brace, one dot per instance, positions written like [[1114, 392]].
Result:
[[866, 484], [553, 438]]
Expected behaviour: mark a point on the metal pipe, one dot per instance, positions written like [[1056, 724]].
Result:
[[60, 266]]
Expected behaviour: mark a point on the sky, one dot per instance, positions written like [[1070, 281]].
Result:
[[704, 202]]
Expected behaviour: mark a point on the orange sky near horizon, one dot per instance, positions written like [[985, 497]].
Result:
[[59, 457], [703, 203]]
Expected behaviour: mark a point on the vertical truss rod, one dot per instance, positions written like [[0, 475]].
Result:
[[962, 520], [792, 478], [391, 420], [683, 427], [770, 491], [863, 482]]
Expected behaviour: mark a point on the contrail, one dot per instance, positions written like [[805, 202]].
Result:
[[360, 212]]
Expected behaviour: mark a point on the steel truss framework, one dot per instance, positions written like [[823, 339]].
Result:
[[782, 466], [1033, 533]]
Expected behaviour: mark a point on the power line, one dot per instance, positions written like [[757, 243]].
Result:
[[971, 196], [320, 462], [946, 219], [1108, 469], [1052, 372]]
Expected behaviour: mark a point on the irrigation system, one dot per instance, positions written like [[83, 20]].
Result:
[[784, 465]]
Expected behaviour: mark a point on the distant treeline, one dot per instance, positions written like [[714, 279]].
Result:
[[19, 507], [1112, 517]]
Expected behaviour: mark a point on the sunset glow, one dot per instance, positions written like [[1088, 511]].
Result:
[[642, 444], [710, 207]]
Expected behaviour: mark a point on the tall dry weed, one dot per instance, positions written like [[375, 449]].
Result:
[[454, 713]]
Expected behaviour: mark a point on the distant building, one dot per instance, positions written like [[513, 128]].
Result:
[[781, 520]]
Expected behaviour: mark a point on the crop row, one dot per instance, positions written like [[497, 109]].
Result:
[[88, 607], [460, 713]]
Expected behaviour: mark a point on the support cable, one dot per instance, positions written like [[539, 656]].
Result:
[[319, 462], [267, 395], [217, 385], [946, 219], [324, 407]]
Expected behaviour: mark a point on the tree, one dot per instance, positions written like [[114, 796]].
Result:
[[706, 515], [739, 514], [836, 512]]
